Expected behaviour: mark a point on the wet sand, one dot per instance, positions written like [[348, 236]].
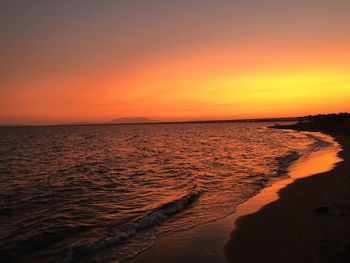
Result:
[[280, 224]]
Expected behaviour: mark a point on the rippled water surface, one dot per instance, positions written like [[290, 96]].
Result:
[[104, 193]]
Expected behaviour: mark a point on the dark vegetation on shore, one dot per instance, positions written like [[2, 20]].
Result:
[[322, 122]]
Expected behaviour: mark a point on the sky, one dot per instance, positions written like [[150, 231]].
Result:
[[83, 60]]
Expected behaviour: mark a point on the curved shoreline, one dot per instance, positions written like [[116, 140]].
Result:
[[309, 222], [302, 168], [205, 243]]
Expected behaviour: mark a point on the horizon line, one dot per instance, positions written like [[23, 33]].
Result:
[[281, 119]]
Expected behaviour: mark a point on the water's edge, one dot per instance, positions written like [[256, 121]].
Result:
[[212, 236]]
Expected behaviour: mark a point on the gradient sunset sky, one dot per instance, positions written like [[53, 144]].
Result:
[[69, 61]]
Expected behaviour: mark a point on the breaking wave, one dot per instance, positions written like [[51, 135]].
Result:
[[152, 218]]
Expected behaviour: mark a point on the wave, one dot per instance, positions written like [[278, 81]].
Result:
[[284, 162], [318, 144], [153, 218]]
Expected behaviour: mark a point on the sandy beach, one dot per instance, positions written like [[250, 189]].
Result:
[[300, 219]]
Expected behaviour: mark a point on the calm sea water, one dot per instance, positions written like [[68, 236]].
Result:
[[104, 193]]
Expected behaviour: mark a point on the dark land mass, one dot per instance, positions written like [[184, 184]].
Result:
[[310, 222], [339, 123]]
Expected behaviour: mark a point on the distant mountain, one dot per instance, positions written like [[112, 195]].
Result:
[[133, 120]]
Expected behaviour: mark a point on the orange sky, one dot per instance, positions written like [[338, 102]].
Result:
[[85, 61]]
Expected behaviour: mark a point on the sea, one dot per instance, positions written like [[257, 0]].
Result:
[[105, 193]]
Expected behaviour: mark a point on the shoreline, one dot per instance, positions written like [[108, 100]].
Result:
[[206, 243], [309, 222]]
